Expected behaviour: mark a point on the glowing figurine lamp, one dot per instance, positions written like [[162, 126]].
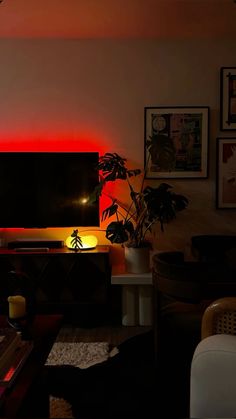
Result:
[[76, 242]]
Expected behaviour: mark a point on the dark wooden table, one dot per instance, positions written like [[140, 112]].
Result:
[[28, 397]]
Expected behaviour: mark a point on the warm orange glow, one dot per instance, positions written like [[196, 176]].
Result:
[[133, 19]]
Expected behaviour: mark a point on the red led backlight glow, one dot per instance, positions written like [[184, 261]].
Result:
[[53, 145]]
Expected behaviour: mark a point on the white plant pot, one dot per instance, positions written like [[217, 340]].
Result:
[[137, 260]]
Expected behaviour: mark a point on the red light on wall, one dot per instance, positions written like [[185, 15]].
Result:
[[70, 145]]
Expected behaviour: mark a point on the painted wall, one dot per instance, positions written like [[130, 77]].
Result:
[[91, 94]]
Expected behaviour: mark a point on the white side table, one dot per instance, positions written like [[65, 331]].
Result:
[[137, 296]]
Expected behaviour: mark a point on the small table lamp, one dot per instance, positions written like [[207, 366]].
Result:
[[76, 242]]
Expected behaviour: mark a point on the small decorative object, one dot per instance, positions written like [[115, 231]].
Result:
[[148, 206], [176, 142], [226, 173], [17, 306], [228, 99], [17, 312], [76, 242]]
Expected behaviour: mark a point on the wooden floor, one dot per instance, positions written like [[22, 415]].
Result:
[[112, 334], [137, 367]]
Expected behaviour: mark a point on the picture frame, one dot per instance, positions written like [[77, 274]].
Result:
[[176, 142], [226, 173], [228, 99]]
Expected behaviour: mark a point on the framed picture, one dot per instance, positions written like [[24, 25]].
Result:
[[226, 173], [228, 98], [176, 142]]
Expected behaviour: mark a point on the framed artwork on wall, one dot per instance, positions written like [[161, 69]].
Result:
[[228, 98], [226, 173], [176, 142]]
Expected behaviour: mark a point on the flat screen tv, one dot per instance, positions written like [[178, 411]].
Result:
[[47, 189]]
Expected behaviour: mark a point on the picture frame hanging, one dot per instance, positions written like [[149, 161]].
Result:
[[228, 98], [176, 142], [226, 173]]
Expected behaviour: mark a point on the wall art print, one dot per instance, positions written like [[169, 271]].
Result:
[[228, 98], [176, 142], [226, 173]]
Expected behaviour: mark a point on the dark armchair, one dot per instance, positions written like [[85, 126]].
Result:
[[213, 247], [182, 291]]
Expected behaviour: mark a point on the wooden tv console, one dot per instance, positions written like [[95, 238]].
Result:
[[75, 284]]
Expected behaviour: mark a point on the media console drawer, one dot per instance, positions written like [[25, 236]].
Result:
[[75, 284]]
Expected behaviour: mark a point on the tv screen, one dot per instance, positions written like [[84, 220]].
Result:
[[48, 189]]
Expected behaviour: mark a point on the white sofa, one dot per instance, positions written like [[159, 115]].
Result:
[[213, 378]]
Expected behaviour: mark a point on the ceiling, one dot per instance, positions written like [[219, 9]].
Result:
[[163, 19]]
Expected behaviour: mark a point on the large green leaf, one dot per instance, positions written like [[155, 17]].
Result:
[[114, 167], [118, 232], [109, 211]]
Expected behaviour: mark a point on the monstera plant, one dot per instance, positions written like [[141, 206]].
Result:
[[146, 207]]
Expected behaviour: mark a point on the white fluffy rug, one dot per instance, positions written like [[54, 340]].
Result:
[[78, 354]]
